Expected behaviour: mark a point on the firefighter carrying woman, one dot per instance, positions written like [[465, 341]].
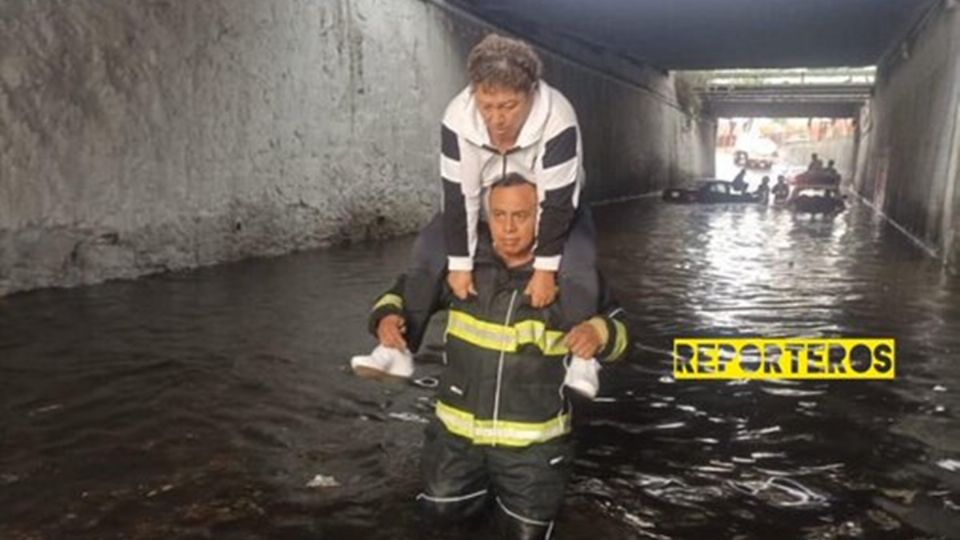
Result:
[[511, 257]]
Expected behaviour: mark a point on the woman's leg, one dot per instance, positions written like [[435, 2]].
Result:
[[424, 283], [577, 278]]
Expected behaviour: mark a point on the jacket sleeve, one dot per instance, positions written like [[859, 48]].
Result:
[[391, 302], [461, 202], [558, 184], [613, 318]]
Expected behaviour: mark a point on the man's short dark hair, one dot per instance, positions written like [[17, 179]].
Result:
[[511, 180]]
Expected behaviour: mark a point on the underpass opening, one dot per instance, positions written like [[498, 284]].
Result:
[[763, 146], [770, 122]]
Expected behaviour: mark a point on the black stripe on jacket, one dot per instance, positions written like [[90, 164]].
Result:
[[557, 211], [455, 220], [448, 143], [561, 148]]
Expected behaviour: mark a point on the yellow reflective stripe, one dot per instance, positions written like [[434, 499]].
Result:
[[500, 432], [620, 345], [389, 299], [498, 337], [481, 333], [536, 333], [457, 422]]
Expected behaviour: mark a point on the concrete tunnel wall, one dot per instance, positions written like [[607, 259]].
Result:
[[141, 137], [910, 138]]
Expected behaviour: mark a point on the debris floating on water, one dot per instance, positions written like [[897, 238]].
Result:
[[321, 481], [951, 465], [46, 409], [408, 417]]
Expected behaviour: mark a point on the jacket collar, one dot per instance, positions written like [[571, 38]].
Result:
[[494, 260]]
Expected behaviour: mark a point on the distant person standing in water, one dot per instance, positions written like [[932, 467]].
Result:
[[832, 171], [816, 164], [781, 190], [763, 191]]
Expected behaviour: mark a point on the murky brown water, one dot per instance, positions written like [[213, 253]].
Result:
[[199, 405]]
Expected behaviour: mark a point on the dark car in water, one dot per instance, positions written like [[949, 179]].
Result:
[[816, 200], [708, 190]]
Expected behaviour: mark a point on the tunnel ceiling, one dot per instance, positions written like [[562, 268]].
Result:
[[713, 34]]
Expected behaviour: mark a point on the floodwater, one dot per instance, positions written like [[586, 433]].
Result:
[[202, 404]]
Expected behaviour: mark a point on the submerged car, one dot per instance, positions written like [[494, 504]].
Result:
[[708, 190], [816, 200]]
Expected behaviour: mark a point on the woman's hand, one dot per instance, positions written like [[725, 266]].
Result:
[[461, 283], [390, 332], [542, 288]]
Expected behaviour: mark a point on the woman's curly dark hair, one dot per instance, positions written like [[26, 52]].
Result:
[[501, 61]]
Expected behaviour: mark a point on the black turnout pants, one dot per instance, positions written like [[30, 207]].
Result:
[[577, 276], [523, 486]]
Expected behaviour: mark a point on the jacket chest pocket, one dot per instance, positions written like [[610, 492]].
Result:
[[455, 381]]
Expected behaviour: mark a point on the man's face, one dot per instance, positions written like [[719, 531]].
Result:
[[513, 220], [504, 111]]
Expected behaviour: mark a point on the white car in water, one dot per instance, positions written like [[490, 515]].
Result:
[[756, 153]]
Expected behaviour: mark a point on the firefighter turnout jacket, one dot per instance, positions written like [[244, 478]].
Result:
[[505, 359]]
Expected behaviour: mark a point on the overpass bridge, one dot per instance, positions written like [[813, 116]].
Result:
[[829, 101], [833, 93]]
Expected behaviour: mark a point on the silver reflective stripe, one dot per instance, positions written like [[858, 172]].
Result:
[[459, 324], [507, 433], [532, 333], [527, 520], [451, 499], [542, 435]]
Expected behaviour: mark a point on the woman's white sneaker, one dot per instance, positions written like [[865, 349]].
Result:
[[386, 360], [582, 376]]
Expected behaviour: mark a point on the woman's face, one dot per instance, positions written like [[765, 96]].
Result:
[[504, 111]]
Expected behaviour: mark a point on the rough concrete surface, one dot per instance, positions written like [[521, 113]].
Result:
[[144, 136], [910, 143], [138, 137], [636, 141]]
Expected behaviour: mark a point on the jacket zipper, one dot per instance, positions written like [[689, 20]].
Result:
[[496, 396], [503, 156]]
